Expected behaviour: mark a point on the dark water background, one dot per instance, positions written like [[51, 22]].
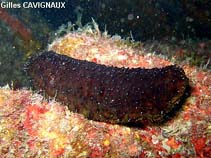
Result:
[[143, 20], [146, 19]]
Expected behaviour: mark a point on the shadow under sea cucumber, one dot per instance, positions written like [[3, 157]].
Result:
[[109, 94]]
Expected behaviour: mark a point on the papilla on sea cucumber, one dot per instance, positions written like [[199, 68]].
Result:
[[109, 94]]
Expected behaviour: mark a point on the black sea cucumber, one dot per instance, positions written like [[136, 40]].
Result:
[[109, 94]]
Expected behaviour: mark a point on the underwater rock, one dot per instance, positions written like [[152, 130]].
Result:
[[109, 94]]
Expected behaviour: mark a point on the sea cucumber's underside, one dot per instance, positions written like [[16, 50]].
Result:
[[110, 94]]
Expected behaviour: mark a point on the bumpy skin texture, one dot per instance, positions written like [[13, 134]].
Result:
[[109, 94]]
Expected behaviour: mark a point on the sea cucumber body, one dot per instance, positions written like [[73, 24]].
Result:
[[109, 94]]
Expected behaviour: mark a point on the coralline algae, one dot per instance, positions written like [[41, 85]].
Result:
[[110, 94]]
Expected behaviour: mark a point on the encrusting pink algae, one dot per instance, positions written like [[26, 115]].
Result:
[[32, 126]]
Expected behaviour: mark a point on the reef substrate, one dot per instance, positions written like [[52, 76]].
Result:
[[32, 126]]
